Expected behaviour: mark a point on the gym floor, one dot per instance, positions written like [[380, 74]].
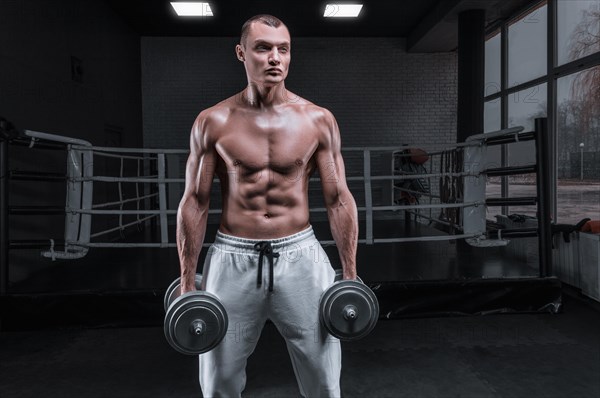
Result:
[[102, 355], [525, 355]]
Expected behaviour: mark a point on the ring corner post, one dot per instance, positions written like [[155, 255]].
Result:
[[543, 175]]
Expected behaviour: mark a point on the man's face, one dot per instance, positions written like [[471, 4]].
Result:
[[266, 54]]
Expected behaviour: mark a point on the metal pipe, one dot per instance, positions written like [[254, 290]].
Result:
[[53, 146], [58, 138], [512, 233], [581, 158], [510, 170], [504, 108], [520, 201], [542, 146], [528, 136]]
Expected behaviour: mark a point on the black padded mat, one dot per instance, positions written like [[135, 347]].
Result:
[[512, 355]]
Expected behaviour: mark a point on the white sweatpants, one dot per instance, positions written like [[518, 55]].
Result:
[[301, 272]]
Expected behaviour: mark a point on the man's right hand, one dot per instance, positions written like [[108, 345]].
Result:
[[188, 285]]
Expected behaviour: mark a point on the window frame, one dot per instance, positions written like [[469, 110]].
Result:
[[554, 72]]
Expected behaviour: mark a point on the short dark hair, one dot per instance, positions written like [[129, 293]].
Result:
[[265, 19]]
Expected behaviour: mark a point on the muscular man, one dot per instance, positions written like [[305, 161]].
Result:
[[263, 144]]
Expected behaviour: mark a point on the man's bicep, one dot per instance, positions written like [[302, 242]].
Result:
[[200, 166], [331, 170], [330, 162]]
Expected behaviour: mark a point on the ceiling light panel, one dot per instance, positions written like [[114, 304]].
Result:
[[342, 10], [192, 9]]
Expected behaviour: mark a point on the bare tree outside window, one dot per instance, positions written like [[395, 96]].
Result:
[[578, 119]]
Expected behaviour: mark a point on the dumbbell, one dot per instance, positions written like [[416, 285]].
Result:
[[195, 322], [348, 309]]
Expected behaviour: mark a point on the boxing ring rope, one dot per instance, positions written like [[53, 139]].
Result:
[[153, 186]]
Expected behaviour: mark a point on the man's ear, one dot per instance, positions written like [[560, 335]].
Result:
[[239, 51]]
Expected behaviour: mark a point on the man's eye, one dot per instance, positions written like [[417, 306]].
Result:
[[283, 50]]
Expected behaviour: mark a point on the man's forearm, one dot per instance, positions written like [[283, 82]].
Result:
[[343, 219], [191, 229]]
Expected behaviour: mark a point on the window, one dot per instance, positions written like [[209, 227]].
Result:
[[492, 65], [578, 29], [491, 116], [578, 149], [527, 57], [523, 108], [574, 105], [492, 121]]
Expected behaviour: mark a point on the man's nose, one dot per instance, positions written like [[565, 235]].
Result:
[[274, 58]]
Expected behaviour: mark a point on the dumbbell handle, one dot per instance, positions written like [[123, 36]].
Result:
[[350, 312], [198, 327]]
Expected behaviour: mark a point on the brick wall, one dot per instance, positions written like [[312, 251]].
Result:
[[380, 94]]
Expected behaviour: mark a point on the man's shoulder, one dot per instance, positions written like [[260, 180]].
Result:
[[209, 122], [322, 119], [316, 112], [215, 113], [322, 116]]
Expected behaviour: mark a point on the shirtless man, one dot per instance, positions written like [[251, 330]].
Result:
[[263, 144]]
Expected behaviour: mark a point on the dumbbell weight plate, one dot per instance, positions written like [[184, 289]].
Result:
[[174, 291], [189, 310], [343, 299]]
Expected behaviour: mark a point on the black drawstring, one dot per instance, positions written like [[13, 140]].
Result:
[[264, 248]]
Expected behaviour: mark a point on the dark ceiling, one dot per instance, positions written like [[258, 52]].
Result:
[[428, 25]]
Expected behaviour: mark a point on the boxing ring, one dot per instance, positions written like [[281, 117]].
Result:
[[440, 190]]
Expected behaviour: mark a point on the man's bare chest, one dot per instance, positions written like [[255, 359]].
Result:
[[277, 146]]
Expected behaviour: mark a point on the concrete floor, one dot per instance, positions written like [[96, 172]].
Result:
[[524, 355], [527, 355]]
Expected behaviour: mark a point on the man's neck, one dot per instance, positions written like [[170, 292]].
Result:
[[265, 96]]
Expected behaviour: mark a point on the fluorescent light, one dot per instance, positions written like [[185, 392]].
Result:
[[192, 9], [342, 10]]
